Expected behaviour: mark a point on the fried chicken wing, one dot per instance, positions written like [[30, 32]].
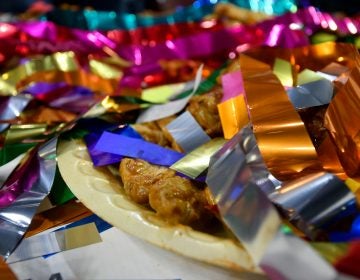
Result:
[[204, 110], [175, 199], [178, 200], [138, 177]]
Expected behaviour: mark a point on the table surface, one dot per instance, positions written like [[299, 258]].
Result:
[[121, 256]]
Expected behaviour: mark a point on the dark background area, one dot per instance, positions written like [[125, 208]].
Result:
[[349, 7]]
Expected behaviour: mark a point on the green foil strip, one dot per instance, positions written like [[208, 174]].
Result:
[[11, 151], [197, 161], [283, 70]]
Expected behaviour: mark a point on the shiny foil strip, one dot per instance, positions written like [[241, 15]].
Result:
[[236, 185], [157, 112], [187, 132], [281, 135], [311, 94], [136, 148], [314, 57], [23, 192], [194, 163], [342, 119], [58, 67], [54, 242], [19, 132], [11, 107], [59, 61], [313, 203]]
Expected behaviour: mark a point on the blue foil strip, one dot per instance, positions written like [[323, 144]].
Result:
[[100, 158], [136, 148]]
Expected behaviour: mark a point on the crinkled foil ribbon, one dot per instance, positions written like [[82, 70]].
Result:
[[240, 183], [22, 193], [342, 119], [268, 127], [284, 142], [58, 67]]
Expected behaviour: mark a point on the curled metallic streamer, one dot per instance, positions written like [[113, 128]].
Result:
[[16, 217], [315, 201], [15, 105], [252, 217]]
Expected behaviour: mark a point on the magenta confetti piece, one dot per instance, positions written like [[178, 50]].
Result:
[[232, 84]]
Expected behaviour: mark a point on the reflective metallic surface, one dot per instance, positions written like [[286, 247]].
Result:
[[16, 214]]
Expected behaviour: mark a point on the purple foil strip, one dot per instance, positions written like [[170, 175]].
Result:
[[136, 148], [101, 158], [60, 95], [23, 192]]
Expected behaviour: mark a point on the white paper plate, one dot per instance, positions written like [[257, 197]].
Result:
[[101, 192]]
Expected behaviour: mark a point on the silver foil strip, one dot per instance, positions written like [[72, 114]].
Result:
[[187, 132], [15, 105], [237, 178], [311, 94], [243, 206], [15, 218], [315, 201], [54, 242]]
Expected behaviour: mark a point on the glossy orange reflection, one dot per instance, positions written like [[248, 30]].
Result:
[[282, 138]]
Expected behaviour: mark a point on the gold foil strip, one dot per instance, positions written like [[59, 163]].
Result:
[[104, 70], [197, 161], [282, 138], [111, 105], [61, 67], [19, 132], [342, 119], [65, 62]]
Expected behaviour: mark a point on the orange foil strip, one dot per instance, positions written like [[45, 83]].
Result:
[[282, 138], [342, 119], [233, 115]]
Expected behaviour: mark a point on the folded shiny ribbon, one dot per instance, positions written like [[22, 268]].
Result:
[[100, 158], [54, 242], [11, 107], [136, 148], [305, 89], [58, 67], [23, 192], [321, 55], [237, 178], [157, 112]]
